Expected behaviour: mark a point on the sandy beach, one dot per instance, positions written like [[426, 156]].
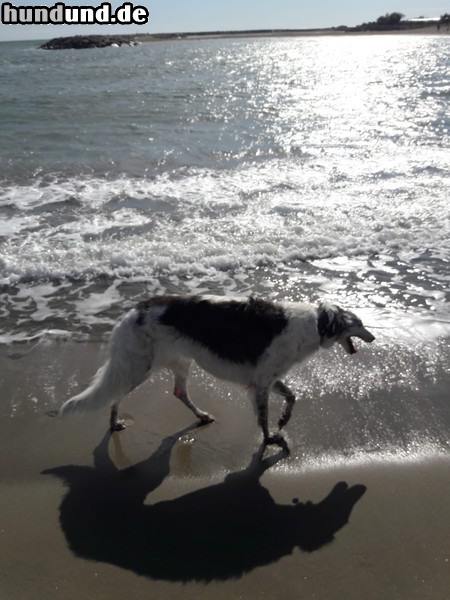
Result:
[[168, 510]]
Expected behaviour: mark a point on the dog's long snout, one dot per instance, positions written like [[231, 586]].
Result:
[[365, 335]]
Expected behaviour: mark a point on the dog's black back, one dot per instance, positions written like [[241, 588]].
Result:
[[238, 331]]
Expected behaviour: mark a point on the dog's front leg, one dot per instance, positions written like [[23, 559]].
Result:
[[261, 402], [282, 389]]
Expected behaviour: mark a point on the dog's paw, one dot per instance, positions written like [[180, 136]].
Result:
[[205, 419], [118, 425], [276, 439]]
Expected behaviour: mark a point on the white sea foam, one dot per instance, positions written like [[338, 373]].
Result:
[[206, 220], [242, 230]]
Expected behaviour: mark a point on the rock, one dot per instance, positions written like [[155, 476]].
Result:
[[79, 42]]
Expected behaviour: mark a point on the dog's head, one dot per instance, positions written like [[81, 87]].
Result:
[[338, 325]]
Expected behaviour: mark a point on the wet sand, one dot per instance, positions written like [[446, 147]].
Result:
[[168, 510]]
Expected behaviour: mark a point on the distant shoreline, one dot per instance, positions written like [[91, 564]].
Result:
[[332, 31], [98, 41]]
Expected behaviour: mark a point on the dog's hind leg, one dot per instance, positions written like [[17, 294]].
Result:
[[282, 389], [261, 399], [181, 371], [116, 424], [135, 373]]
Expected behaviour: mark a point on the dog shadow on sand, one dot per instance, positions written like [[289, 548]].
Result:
[[216, 533]]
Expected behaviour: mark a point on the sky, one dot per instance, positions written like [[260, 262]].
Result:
[[167, 16]]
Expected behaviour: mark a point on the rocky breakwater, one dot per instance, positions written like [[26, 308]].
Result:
[[79, 42]]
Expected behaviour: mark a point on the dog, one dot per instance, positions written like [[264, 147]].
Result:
[[249, 341]]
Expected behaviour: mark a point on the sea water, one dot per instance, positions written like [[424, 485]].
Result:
[[292, 168]]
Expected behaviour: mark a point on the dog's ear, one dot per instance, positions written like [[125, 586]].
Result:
[[329, 321]]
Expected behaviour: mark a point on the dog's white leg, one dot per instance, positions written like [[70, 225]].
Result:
[[282, 389], [135, 371], [181, 393], [181, 371], [261, 403]]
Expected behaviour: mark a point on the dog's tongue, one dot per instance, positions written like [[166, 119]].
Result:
[[353, 349]]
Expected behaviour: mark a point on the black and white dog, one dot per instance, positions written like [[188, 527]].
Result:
[[248, 341]]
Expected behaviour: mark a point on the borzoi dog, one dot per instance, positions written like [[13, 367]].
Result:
[[248, 341]]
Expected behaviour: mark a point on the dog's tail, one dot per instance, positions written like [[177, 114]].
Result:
[[103, 390], [124, 369]]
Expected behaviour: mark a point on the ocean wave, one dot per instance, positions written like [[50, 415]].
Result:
[[197, 220]]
